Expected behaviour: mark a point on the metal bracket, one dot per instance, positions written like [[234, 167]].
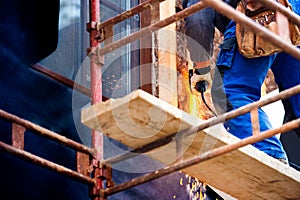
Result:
[[100, 36], [101, 173]]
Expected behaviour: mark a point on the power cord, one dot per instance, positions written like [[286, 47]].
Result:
[[201, 87]]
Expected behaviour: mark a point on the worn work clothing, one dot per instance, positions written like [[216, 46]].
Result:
[[292, 66], [286, 70], [242, 80], [200, 29]]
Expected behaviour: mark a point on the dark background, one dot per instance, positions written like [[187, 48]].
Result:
[[29, 33]]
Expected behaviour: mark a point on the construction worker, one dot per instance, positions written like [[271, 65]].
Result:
[[242, 81]]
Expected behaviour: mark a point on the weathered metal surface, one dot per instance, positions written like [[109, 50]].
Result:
[[96, 95], [90, 114], [153, 27], [255, 121], [83, 163], [18, 136], [238, 164], [220, 7], [46, 133], [105, 27], [68, 82], [46, 164], [127, 14], [203, 157]]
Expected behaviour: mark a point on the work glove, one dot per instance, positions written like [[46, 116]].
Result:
[[200, 79]]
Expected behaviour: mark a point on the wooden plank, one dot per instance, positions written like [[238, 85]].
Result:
[[247, 173], [136, 119]]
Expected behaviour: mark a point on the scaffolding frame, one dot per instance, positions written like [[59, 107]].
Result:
[[91, 168]]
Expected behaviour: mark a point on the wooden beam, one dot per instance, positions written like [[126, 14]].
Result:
[[147, 17], [166, 56], [247, 173]]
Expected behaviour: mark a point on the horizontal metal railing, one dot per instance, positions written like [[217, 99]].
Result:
[[127, 14], [219, 6], [199, 158], [18, 144], [153, 27], [207, 123], [45, 132], [231, 13], [46, 164], [226, 10]]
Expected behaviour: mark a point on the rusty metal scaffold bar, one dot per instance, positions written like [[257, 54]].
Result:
[[172, 168], [219, 6], [223, 8], [66, 81], [18, 151], [200, 158], [96, 97], [154, 27], [46, 164], [238, 17], [207, 123], [127, 14], [46, 133]]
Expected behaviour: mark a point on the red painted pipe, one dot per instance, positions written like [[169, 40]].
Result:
[[96, 94]]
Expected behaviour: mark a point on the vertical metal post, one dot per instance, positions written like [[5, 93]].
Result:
[[18, 136], [82, 163], [255, 121], [96, 95]]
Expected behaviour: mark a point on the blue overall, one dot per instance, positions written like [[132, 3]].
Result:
[[242, 80]]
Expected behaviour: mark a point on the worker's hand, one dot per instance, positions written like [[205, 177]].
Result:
[[200, 79]]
